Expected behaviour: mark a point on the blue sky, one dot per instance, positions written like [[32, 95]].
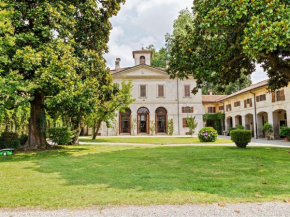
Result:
[[146, 22]]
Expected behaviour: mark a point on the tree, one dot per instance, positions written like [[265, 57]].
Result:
[[159, 58], [226, 39], [48, 49], [106, 111], [192, 124]]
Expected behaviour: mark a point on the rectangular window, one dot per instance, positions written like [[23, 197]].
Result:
[[187, 109], [143, 91], [221, 108], [211, 110], [261, 98], [186, 90], [161, 91], [229, 107], [184, 120], [237, 104], [280, 95]]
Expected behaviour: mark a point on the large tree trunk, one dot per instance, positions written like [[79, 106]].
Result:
[[96, 128], [76, 127], [37, 124]]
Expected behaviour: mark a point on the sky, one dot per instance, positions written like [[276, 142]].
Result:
[[144, 22]]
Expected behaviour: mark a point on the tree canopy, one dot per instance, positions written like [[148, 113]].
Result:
[[227, 38], [53, 49]]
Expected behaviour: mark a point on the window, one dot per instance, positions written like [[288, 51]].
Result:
[[143, 91], [221, 108], [187, 109], [211, 110], [142, 60], [184, 121], [161, 91], [261, 98], [248, 102], [278, 96], [186, 90], [237, 104], [229, 107]]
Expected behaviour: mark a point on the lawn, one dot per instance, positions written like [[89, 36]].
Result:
[[153, 140], [83, 176]]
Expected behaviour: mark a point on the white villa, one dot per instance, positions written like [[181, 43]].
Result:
[[160, 99]]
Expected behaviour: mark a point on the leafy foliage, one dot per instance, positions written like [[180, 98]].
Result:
[[170, 127], [284, 132], [60, 136], [54, 49], [152, 127], [9, 140], [207, 134], [225, 39], [241, 137], [191, 124], [268, 128]]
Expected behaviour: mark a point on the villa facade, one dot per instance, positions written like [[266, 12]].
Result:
[[158, 99]]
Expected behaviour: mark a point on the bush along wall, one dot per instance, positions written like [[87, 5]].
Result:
[[217, 118]]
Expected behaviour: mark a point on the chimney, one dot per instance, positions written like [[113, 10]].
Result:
[[210, 92], [117, 63]]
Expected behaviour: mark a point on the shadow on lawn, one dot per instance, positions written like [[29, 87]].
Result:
[[225, 171]]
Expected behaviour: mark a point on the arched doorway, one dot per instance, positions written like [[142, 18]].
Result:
[[161, 120], [262, 118], [249, 123], [229, 123], [125, 121], [279, 120], [143, 120], [238, 120]]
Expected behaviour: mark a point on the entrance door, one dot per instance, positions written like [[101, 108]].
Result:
[[161, 124], [161, 120], [125, 122], [143, 123], [143, 120]]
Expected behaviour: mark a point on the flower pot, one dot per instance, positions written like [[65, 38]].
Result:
[[286, 139]]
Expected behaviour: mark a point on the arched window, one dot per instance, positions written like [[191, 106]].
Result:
[[142, 60], [143, 111], [161, 120], [125, 121]]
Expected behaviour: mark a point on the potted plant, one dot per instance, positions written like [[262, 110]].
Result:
[[268, 129], [285, 132]]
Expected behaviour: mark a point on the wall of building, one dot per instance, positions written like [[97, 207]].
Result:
[[173, 89]]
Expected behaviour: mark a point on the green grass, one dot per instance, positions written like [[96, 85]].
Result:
[[83, 176], [153, 140]]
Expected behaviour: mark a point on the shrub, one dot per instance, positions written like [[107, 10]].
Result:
[[23, 138], [241, 137], [9, 140], [60, 136], [231, 129], [240, 127], [207, 134], [170, 127], [285, 132], [267, 128], [192, 124]]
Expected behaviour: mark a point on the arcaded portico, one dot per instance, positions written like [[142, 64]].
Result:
[[254, 106]]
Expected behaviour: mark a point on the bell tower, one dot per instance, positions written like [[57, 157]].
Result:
[[142, 57]]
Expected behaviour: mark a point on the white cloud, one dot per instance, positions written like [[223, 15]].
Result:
[[141, 22]]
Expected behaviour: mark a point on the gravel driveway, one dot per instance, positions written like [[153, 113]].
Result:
[[250, 209]]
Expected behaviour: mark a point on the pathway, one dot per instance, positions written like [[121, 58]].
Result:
[[225, 210]]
